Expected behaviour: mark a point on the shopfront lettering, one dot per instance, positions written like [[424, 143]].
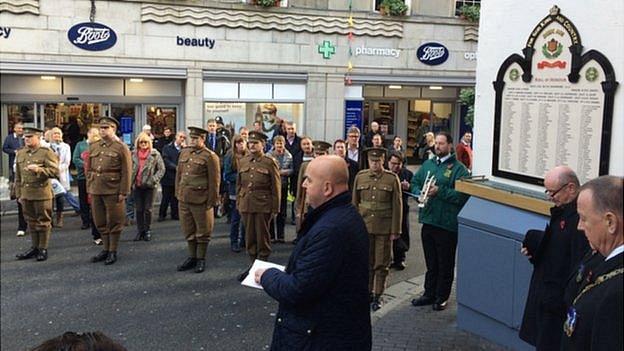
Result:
[[5, 32], [362, 50], [432, 54], [203, 42], [92, 36]]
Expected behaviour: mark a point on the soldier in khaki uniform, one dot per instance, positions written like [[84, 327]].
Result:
[[197, 190], [301, 204], [377, 196], [108, 183], [34, 166], [258, 192]]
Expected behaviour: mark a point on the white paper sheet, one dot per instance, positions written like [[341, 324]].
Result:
[[250, 280]]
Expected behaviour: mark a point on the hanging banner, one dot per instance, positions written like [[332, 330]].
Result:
[[353, 114]]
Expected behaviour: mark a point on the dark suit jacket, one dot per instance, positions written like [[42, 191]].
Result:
[[170, 157], [354, 168], [557, 255], [600, 312], [221, 145], [297, 154], [10, 147], [323, 295]]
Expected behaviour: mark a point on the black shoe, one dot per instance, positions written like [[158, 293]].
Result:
[[243, 275], [439, 305], [112, 258], [376, 304], [399, 266], [42, 255], [423, 301], [100, 257], [189, 263], [30, 253], [161, 219], [147, 235], [139, 236], [201, 265], [85, 226], [235, 247]]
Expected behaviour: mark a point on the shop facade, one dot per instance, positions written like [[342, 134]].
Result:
[[178, 65]]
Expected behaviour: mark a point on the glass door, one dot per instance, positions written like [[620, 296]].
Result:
[[160, 116]]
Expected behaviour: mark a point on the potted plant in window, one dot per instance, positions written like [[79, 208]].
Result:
[[265, 3], [470, 13], [393, 8]]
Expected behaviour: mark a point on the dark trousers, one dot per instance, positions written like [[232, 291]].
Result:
[[143, 203], [85, 208], [402, 244], [237, 229], [293, 190], [60, 203], [168, 199], [279, 223], [21, 221], [439, 246]]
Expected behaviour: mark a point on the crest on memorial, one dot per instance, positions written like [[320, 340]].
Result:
[[553, 106]]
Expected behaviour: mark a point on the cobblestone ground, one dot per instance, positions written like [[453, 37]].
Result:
[[421, 328]]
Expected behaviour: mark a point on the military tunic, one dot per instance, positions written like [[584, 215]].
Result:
[[301, 203], [109, 176], [197, 190], [258, 190], [35, 191], [378, 198]]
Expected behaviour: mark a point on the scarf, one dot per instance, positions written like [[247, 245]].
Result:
[[142, 155]]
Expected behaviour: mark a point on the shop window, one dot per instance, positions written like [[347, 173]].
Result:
[[377, 4], [442, 113], [382, 112], [239, 114], [159, 117], [73, 119], [260, 91], [460, 3], [24, 113], [220, 90]]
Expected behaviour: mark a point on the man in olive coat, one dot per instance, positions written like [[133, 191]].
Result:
[[34, 166], [378, 197], [197, 188], [258, 193], [108, 183]]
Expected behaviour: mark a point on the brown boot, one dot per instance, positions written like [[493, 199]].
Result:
[[59, 219]]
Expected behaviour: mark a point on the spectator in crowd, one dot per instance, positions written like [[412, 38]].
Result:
[[147, 170], [439, 219], [377, 141], [293, 145], [420, 134], [72, 133], [64, 154], [322, 294], [71, 341], [374, 129], [402, 244], [285, 163], [258, 127], [397, 146], [231, 165], [340, 149], [463, 150], [217, 143], [165, 139], [147, 129], [427, 151], [170, 155], [12, 143], [555, 254], [78, 157], [596, 317], [354, 151], [310, 150], [244, 133]]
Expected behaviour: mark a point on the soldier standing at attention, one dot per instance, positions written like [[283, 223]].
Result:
[[320, 148], [378, 197], [34, 166], [258, 193], [108, 183], [197, 189]]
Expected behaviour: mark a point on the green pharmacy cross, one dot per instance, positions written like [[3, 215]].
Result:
[[326, 49]]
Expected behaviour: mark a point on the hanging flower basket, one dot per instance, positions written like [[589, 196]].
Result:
[[393, 8]]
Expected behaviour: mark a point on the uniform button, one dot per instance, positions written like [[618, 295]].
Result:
[[279, 320], [186, 173], [373, 196], [373, 215], [309, 332], [251, 176], [374, 188]]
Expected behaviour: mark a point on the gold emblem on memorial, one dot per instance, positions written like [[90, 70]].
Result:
[[552, 49]]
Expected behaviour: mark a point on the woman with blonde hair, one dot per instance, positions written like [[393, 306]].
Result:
[[64, 154], [429, 149], [230, 172], [147, 170]]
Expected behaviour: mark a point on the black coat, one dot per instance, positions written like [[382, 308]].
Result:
[[556, 253], [170, 157], [599, 312], [297, 154], [354, 168], [323, 295]]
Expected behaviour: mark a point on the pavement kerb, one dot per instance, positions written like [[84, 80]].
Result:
[[397, 294]]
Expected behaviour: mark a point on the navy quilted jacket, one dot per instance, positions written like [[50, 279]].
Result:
[[323, 295]]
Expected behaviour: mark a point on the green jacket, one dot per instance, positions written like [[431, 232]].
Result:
[[81, 147], [441, 210]]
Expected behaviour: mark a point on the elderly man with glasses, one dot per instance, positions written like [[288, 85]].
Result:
[[555, 253]]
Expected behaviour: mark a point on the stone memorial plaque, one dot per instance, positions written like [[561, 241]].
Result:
[[554, 106]]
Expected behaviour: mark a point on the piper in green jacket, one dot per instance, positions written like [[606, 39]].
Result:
[[439, 219]]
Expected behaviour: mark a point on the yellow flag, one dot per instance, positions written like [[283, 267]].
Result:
[[350, 67], [350, 21]]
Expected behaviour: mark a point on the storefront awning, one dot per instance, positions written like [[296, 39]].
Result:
[[414, 80], [254, 76], [75, 69]]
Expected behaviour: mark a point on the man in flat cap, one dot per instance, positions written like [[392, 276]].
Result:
[[378, 197], [258, 193], [301, 204], [34, 166], [197, 189], [108, 183]]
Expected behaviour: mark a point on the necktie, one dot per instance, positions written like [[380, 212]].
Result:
[[212, 141]]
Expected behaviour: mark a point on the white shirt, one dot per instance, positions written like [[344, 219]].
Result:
[[354, 154], [618, 250], [443, 159]]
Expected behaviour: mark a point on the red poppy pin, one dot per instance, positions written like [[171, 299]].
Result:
[[562, 224]]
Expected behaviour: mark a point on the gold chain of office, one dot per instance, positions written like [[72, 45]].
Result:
[[603, 278]]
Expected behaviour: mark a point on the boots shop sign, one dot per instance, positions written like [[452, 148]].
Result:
[[92, 36]]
